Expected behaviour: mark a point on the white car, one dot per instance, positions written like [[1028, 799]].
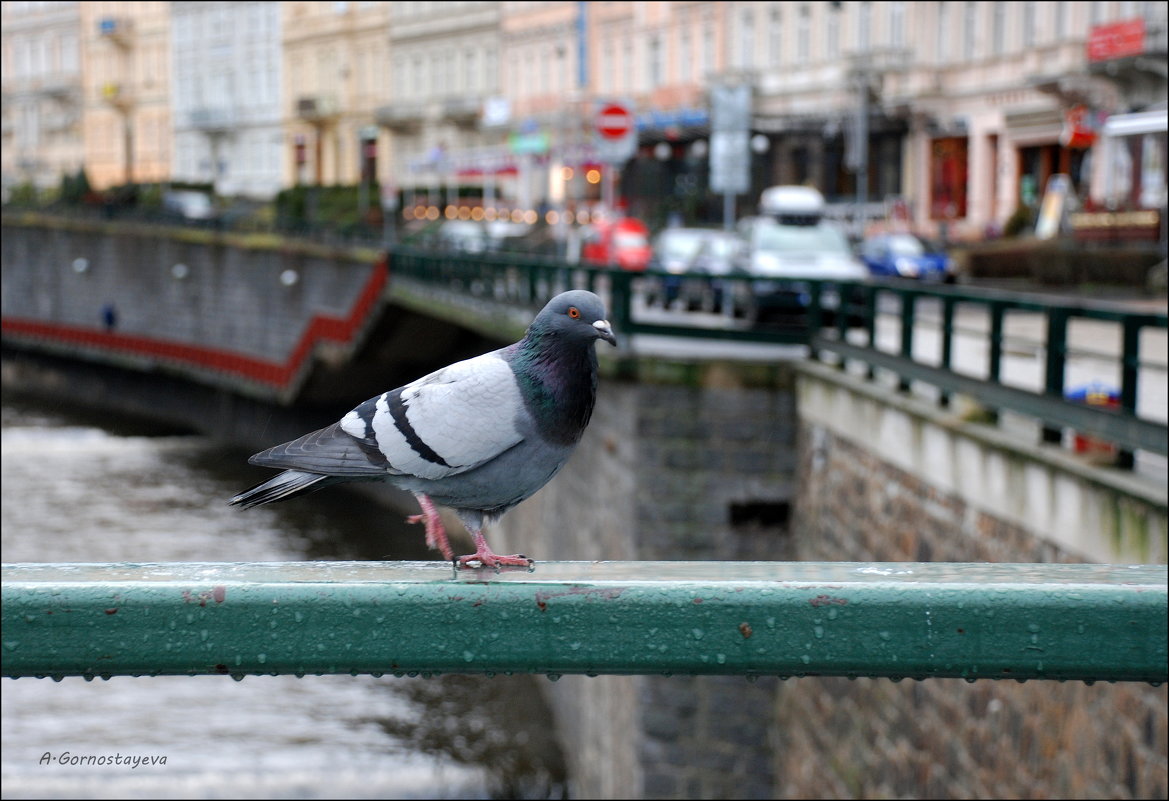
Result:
[[791, 245]]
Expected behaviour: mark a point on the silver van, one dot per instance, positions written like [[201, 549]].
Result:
[[791, 243]]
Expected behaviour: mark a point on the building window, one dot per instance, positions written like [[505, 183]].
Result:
[[655, 66], [999, 29], [1028, 24], [832, 34], [803, 34], [747, 39], [943, 32], [470, 71], [685, 57], [607, 73], [864, 27], [970, 31], [707, 49], [897, 24], [630, 81], [491, 84], [775, 37]]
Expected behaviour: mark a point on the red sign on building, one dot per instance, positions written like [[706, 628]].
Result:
[[1116, 40], [1079, 128]]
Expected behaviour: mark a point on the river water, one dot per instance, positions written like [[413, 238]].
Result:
[[76, 490]]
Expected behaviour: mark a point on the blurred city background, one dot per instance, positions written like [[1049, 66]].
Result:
[[947, 119]]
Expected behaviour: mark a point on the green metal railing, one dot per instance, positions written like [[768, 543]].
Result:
[[842, 318], [895, 620], [1053, 319]]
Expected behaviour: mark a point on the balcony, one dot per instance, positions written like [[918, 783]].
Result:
[[211, 119], [58, 121], [463, 110], [317, 108], [118, 30], [403, 117], [117, 95]]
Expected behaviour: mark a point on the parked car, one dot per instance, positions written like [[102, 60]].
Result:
[[904, 255], [623, 242], [705, 255], [188, 204], [791, 244]]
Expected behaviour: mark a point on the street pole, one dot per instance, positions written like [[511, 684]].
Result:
[[862, 144]]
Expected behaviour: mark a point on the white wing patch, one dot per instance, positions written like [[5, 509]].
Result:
[[463, 413]]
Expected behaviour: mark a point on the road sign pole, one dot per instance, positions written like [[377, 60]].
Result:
[[616, 138]]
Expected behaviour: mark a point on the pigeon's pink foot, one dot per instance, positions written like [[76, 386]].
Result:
[[435, 532], [488, 558]]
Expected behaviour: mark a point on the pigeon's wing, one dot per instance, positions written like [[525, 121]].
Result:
[[330, 452], [441, 425]]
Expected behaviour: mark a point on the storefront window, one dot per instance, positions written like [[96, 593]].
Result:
[[1152, 194], [948, 165]]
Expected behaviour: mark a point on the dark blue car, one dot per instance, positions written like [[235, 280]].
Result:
[[903, 255]]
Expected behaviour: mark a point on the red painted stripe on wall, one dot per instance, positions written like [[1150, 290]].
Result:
[[280, 375]]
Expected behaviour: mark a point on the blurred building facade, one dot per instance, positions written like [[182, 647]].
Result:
[[336, 76], [125, 76], [445, 69], [961, 112], [41, 85], [227, 97]]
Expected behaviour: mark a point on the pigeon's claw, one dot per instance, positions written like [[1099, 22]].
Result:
[[488, 558], [435, 532]]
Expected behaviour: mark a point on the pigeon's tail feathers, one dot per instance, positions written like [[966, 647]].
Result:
[[288, 484], [330, 451]]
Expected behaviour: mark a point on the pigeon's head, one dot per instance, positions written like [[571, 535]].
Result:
[[576, 314]]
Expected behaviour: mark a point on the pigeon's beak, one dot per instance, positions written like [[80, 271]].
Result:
[[605, 332]]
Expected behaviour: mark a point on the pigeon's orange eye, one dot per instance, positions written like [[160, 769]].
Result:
[[574, 312]]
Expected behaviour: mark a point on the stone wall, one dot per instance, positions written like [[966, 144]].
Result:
[[228, 297], [943, 738]]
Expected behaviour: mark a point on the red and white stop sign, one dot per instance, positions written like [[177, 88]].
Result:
[[614, 121]]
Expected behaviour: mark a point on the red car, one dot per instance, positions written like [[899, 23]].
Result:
[[622, 243]]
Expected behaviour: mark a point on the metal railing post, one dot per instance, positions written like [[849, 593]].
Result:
[[995, 357], [947, 354], [1055, 364], [1129, 370], [908, 310]]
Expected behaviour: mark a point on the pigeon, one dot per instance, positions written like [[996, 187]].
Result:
[[478, 436]]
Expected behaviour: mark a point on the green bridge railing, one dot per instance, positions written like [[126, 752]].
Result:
[[842, 319], [895, 620]]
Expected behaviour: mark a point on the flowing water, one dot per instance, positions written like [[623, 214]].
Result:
[[76, 490]]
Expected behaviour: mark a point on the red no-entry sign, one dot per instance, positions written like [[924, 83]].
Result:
[[614, 121]]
